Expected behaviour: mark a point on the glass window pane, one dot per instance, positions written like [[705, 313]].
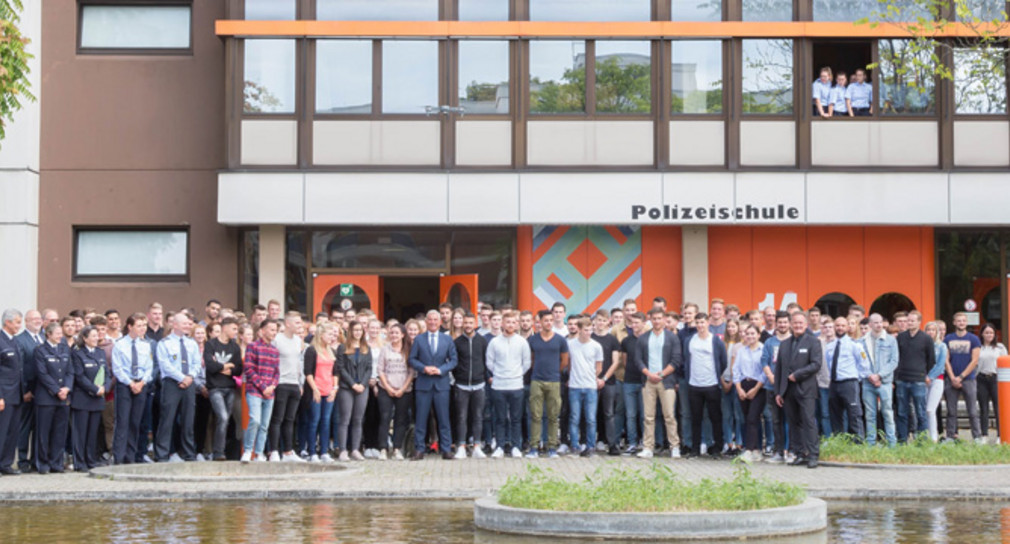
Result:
[[409, 76], [906, 78], [623, 76], [131, 253], [484, 76], [379, 249], [767, 10], [697, 76], [985, 10], [344, 76], [487, 253], [980, 80], [696, 10], [270, 10], [269, 76], [768, 76], [590, 10], [373, 10], [483, 10], [844, 10], [135, 27], [557, 76]]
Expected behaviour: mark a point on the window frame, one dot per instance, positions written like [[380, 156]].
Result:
[[452, 79], [77, 230], [725, 68], [299, 104], [738, 68], [132, 51], [979, 116]]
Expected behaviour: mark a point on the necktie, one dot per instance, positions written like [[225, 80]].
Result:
[[134, 360], [834, 360], [433, 341], [185, 357], [38, 339]]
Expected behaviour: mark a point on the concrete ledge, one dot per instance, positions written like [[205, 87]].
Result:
[[215, 471], [913, 467], [808, 517]]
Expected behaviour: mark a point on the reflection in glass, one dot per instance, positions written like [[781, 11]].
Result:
[[844, 10], [483, 76], [132, 253], [269, 76], [906, 79], [590, 10], [487, 253], [767, 10], [250, 269], [768, 76], [557, 76], [985, 10], [374, 10], [696, 10], [409, 76], [296, 272], [623, 75], [980, 80], [270, 10], [135, 27], [344, 76], [696, 70], [379, 249], [483, 10]]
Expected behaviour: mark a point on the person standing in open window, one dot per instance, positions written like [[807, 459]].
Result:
[[821, 94], [837, 105], [859, 95]]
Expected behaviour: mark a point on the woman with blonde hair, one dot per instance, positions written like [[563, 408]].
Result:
[[320, 369], [934, 378], [456, 323]]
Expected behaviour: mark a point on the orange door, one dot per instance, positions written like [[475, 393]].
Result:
[[460, 290], [330, 290]]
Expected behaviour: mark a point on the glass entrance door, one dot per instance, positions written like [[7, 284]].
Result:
[[970, 265]]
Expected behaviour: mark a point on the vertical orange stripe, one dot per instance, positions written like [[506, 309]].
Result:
[[662, 273], [524, 267]]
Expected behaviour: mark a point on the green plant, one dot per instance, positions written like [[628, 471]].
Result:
[[919, 451], [14, 85], [657, 489]]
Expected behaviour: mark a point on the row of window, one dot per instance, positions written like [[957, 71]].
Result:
[[597, 77], [147, 253]]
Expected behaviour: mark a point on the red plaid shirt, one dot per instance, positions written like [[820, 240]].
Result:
[[261, 368]]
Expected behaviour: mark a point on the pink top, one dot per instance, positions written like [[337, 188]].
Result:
[[324, 373]]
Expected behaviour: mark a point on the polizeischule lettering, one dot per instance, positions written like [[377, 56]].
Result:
[[666, 212]]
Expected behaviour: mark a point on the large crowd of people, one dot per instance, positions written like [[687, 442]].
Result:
[[87, 389]]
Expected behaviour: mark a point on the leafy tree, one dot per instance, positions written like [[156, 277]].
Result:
[[14, 84], [258, 99], [622, 89]]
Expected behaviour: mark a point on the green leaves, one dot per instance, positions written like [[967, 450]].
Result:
[[919, 451], [14, 86]]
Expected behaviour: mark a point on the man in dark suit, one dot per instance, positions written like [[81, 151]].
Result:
[[12, 390], [799, 360], [432, 356], [27, 340]]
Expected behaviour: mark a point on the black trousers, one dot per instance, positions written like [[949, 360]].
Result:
[[286, 400], [752, 410], [800, 412], [397, 411], [10, 419], [778, 424], [181, 403], [129, 412], [51, 424], [86, 438], [201, 419], [608, 408], [844, 398], [468, 410], [701, 398], [27, 436], [987, 392]]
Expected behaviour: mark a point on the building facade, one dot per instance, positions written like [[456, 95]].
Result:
[[404, 152]]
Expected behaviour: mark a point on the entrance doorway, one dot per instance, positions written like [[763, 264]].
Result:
[[393, 295], [409, 297]]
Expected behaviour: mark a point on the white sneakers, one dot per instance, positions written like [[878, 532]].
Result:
[[344, 457], [174, 458], [314, 458], [397, 455], [246, 457], [646, 453], [325, 458], [478, 452], [356, 455], [274, 457], [497, 454], [460, 453], [675, 452], [382, 455], [292, 458], [563, 449], [704, 448], [516, 453]]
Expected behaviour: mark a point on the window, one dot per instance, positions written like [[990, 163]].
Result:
[[135, 27], [623, 70], [906, 80], [590, 10], [980, 80], [696, 10], [409, 76], [696, 71], [767, 76], [140, 254], [344, 76], [483, 76], [844, 10], [557, 76], [372, 10], [270, 10], [984, 10], [269, 76], [483, 10], [768, 10]]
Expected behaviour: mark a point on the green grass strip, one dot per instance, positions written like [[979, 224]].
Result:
[[655, 489], [920, 451]]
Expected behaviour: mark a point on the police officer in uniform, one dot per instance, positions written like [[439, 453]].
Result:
[[53, 385], [11, 390], [28, 340], [91, 381]]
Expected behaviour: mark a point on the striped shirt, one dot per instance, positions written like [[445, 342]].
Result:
[[261, 368]]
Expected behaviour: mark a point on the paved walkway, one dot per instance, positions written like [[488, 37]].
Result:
[[435, 478]]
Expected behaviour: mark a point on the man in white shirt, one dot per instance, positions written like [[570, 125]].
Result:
[[508, 358], [586, 357], [558, 311]]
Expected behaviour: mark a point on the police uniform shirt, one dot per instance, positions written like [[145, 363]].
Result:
[[837, 98], [860, 94], [852, 361], [823, 91]]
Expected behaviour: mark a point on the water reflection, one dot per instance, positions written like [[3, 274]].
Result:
[[447, 522]]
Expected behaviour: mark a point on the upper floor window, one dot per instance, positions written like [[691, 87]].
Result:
[[768, 76], [483, 76], [557, 76], [152, 27], [344, 76], [590, 10], [696, 10], [767, 10], [373, 10], [142, 253], [270, 10], [269, 77], [409, 76], [483, 10], [980, 80], [907, 85], [696, 74], [623, 76]]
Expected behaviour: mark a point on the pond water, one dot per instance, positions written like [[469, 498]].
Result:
[[436, 522]]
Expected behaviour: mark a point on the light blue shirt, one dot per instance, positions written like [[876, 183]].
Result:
[[823, 91], [747, 365], [859, 94], [852, 362], [170, 359], [940, 367], [837, 99], [656, 342], [122, 360], [883, 355]]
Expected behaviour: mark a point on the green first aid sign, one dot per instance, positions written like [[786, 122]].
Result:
[[346, 289]]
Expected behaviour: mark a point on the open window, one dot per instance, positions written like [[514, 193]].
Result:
[[842, 57]]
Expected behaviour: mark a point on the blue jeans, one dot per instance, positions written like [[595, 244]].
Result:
[[823, 410], [917, 390], [508, 417], [870, 396], [732, 418], [634, 412], [582, 401], [319, 425], [260, 411]]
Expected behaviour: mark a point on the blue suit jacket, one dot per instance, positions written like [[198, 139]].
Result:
[[86, 366], [444, 358], [28, 371], [11, 381], [55, 372]]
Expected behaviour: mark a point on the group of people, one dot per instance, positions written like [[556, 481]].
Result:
[[839, 97], [271, 387]]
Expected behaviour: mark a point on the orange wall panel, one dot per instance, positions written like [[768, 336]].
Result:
[[662, 269], [524, 268], [729, 265], [832, 254], [780, 266]]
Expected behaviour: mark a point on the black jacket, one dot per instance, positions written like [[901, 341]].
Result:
[[353, 370], [54, 372], [803, 364], [12, 384], [85, 392], [471, 352]]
